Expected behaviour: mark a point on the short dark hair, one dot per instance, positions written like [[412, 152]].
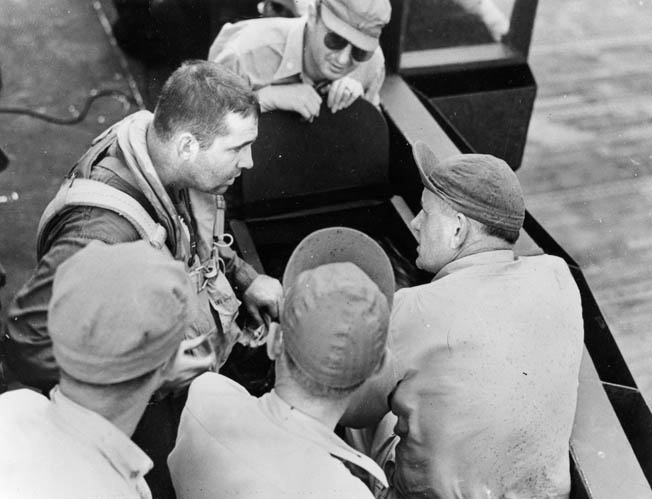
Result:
[[197, 97], [510, 236]]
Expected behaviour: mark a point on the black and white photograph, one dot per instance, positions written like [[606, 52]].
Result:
[[325, 249]]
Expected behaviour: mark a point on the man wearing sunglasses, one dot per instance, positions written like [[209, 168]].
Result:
[[331, 54]]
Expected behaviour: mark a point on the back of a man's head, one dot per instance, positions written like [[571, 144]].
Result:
[[118, 313], [334, 324], [197, 97]]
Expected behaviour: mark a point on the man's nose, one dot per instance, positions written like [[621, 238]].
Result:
[[246, 160], [416, 222], [344, 55]]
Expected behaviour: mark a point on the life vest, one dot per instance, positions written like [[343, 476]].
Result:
[[218, 304]]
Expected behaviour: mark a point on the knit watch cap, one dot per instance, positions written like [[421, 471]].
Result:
[[334, 324], [118, 311], [339, 289], [481, 186], [358, 21]]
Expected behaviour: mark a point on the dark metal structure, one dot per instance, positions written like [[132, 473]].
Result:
[[459, 90]]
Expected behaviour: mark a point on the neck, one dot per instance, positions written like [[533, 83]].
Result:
[[122, 410], [308, 62], [326, 411], [482, 245], [160, 155]]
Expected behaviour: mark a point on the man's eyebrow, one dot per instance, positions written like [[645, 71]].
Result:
[[245, 143]]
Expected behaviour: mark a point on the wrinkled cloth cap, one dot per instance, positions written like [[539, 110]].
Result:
[[118, 311], [334, 322], [342, 244], [332, 331], [358, 21], [481, 186]]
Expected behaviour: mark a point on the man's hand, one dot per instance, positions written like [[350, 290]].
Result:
[[187, 366], [263, 296], [298, 97], [343, 92]]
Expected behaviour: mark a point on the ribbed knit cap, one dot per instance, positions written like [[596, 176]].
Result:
[[481, 186]]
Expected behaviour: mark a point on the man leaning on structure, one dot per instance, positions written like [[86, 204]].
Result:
[[288, 61], [117, 316], [331, 338], [483, 373], [155, 177]]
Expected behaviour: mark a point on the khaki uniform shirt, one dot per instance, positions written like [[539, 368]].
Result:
[[61, 450], [269, 51], [483, 378], [233, 445]]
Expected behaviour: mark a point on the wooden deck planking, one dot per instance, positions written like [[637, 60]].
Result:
[[587, 171]]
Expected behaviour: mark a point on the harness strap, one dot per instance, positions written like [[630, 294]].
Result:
[[87, 192]]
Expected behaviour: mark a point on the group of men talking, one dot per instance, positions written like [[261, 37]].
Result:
[[464, 387]]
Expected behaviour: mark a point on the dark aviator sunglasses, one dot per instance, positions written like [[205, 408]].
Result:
[[333, 41]]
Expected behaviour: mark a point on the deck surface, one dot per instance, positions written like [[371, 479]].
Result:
[[587, 170]]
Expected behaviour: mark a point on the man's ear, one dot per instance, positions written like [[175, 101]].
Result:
[[187, 146], [461, 230], [274, 341]]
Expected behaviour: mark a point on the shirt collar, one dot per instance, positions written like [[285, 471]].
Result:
[[292, 60], [482, 258], [311, 429], [124, 455]]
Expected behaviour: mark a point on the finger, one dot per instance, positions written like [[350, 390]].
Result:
[[316, 106], [303, 110], [274, 309], [332, 92], [338, 96], [192, 343], [255, 314]]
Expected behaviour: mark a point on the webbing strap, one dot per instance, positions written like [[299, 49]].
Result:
[[87, 192]]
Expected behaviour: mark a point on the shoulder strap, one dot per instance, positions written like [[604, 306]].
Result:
[[98, 148], [87, 192]]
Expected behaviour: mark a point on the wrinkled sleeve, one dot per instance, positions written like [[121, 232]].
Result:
[[239, 273], [230, 59], [224, 51]]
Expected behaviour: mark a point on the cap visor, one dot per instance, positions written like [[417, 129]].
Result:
[[342, 244], [357, 38], [423, 156]]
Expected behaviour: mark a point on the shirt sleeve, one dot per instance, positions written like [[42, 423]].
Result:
[[230, 59], [239, 273]]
